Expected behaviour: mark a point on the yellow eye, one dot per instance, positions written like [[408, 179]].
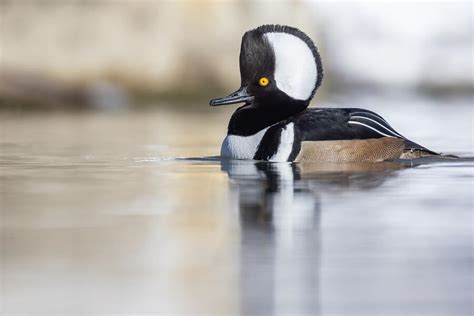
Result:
[[263, 81]]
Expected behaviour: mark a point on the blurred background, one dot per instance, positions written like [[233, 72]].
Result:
[[114, 54], [104, 210]]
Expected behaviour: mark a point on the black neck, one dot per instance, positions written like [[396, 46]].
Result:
[[248, 120]]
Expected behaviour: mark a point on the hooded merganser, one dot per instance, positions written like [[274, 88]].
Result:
[[280, 70]]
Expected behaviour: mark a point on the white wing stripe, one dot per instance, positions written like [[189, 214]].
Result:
[[372, 128], [369, 113], [385, 127], [374, 116]]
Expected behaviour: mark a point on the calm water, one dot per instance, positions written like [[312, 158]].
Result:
[[105, 214]]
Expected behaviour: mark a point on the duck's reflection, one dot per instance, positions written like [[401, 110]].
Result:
[[280, 212]]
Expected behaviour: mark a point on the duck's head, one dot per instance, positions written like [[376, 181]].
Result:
[[280, 69]]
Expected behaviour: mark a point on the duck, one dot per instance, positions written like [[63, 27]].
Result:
[[280, 71]]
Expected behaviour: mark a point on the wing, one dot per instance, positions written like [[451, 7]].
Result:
[[351, 124], [342, 124], [369, 120], [375, 122]]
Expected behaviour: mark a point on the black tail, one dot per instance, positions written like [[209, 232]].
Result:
[[413, 150]]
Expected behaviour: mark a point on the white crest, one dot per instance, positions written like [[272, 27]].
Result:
[[295, 67]]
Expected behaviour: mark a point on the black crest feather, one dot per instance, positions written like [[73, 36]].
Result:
[[256, 56]]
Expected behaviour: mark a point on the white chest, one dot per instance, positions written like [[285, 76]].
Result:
[[245, 147], [241, 147]]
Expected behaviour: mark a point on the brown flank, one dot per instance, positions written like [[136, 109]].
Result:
[[358, 150]]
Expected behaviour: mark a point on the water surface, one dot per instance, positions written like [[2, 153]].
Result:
[[107, 214]]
